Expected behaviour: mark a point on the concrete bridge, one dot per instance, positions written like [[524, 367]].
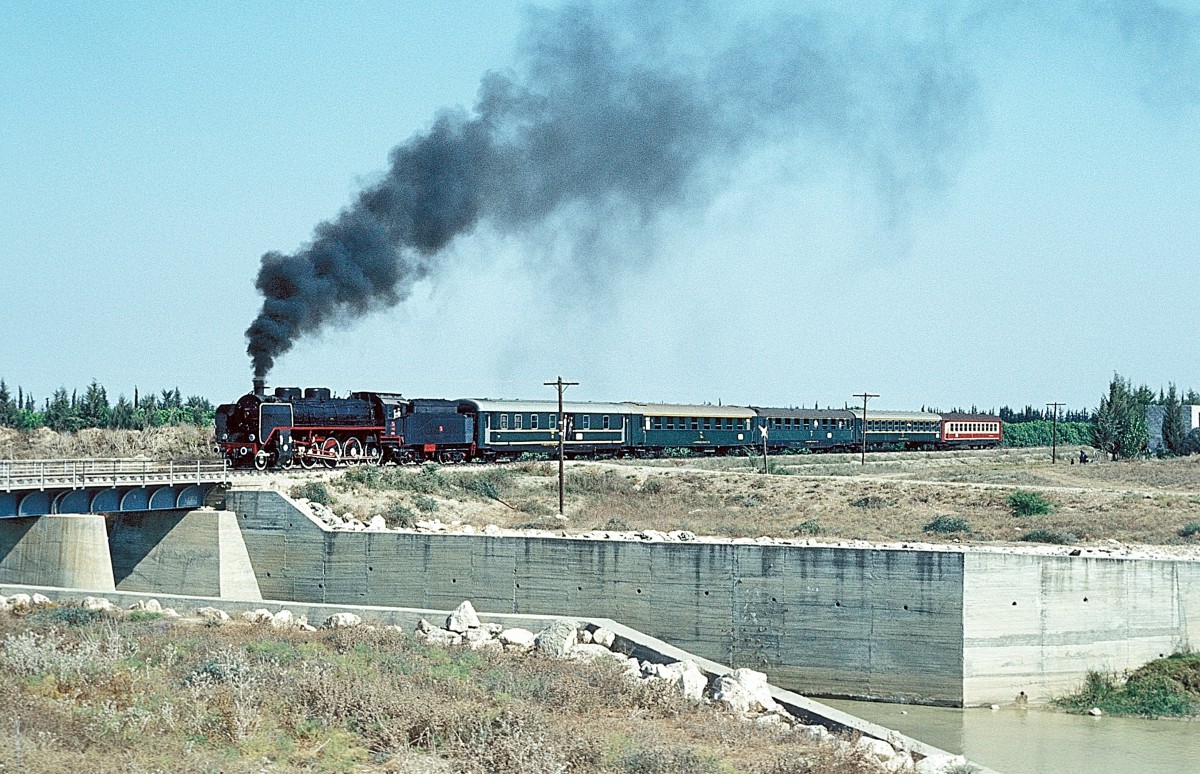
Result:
[[113, 485]]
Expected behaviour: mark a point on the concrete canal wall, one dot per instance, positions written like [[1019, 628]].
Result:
[[884, 624]]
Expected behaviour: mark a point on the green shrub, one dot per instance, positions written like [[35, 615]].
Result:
[[1166, 687], [1189, 529], [809, 527], [948, 525], [143, 615], [873, 502], [617, 525], [1049, 536], [70, 616], [1026, 503], [399, 515], [313, 491], [425, 504]]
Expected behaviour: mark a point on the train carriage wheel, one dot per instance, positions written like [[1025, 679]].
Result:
[[288, 463], [353, 451], [260, 461], [333, 450], [374, 455]]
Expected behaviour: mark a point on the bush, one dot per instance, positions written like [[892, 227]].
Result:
[[873, 502], [1192, 528], [425, 504], [399, 515], [1026, 503], [1166, 687], [809, 527], [948, 524], [313, 491], [1049, 536]]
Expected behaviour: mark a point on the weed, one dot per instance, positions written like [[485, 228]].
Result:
[[313, 491], [1189, 529], [872, 502], [1167, 687], [948, 525], [1049, 536], [143, 615], [617, 525], [425, 504], [809, 527], [69, 616], [1026, 503]]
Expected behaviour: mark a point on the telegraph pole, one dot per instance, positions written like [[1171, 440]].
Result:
[[562, 439], [1054, 432], [865, 396]]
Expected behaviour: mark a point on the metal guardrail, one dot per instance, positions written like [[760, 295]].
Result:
[[80, 473]]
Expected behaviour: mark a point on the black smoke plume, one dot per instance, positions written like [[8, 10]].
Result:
[[635, 108]]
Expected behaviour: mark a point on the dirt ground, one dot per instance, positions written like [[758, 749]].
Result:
[[893, 497]]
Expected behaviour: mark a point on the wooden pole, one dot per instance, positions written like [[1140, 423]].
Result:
[[865, 396], [562, 438]]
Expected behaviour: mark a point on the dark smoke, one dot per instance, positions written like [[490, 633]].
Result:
[[640, 106]]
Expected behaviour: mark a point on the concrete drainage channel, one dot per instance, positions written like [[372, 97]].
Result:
[[626, 640]]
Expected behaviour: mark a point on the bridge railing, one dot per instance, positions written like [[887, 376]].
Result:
[[117, 471]]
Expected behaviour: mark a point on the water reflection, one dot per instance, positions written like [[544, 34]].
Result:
[[1014, 740]]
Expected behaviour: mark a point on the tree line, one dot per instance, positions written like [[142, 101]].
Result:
[[69, 412], [1120, 425]]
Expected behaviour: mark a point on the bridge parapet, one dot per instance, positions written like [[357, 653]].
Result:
[[24, 475]]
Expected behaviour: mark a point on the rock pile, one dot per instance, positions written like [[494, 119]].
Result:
[[744, 692]]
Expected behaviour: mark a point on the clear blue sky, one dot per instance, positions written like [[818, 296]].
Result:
[[1045, 236]]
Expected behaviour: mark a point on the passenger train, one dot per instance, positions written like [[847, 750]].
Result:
[[313, 427]]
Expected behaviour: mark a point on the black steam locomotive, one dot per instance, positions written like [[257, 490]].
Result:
[[311, 427]]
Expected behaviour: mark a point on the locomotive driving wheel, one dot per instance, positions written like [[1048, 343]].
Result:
[[306, 462], [353, 451], [374, 455], [333, 450], [260, 460]]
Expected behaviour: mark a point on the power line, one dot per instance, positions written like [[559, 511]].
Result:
[[1054, 432]]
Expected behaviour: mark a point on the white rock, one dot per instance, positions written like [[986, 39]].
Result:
[[877, 748], [744, 691], [491, 529], [259, 616], [1095, 712], [97, 603], [687, 680], [212, 615], [901, 761], [493, 629], [517, 637], [440, 637], [169, 612], [463, 618], [342, 621], [148, 605], [681, 535], [816, 733], [424, 627], [283, 620], [4, 603], [940, 764], [481, 639], [433, 525], [558, 638], [603, 637], [377, 524], [40, 600], [20, 602], [587, 652], [585, 637]]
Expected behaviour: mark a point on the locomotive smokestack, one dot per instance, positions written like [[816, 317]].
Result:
[[260, 386]]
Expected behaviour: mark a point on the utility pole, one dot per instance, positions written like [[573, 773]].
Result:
[[562, 439], [865, 396], [1054, 432]]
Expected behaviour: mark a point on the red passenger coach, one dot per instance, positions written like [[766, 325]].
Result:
[[971, 431]]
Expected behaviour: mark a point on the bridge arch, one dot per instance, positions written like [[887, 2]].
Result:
[[136, 499], [163, 498], [106, 501], [34, 504], [190, 497]]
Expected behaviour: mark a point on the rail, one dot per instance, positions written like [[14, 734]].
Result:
[[80, 473]]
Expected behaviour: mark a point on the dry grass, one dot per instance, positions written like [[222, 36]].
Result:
[[893, 498], [170, 442], [97, 693]]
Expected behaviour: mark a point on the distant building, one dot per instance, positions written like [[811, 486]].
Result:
[[1154, 423]]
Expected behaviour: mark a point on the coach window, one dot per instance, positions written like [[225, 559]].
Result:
[[658, 425], [586, 421], [533, 421], [518, 421], [553, 423], [605, 420], [695, 423], [504, 421]]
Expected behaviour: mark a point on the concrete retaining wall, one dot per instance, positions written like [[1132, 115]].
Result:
[[867, 623], [59, 550], [1034, 624]]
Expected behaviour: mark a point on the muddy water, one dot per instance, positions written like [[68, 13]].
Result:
[[1041, 741]]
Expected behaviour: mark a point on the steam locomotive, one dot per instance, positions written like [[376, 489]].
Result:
[[312, 427]]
